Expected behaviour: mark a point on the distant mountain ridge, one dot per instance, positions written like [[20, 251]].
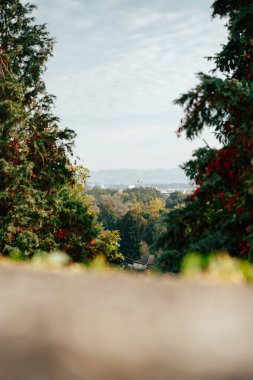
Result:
[[138, 176]]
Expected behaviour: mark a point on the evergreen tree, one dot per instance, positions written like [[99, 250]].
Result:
[[42, 207], [219, 214], [131, 229]]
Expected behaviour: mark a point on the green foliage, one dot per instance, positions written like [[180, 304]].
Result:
[[175, 199], [107, 244], [142, 195], [131, 227], [42, 205], [168, 261], [219, 267], [133, 213], [218, 215]]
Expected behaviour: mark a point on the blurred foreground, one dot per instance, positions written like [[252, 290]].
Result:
[[62, 325]]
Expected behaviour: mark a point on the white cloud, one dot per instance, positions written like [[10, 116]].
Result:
[[118, 65]]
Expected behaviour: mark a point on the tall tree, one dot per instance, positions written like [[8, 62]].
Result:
[[41, 205], [131, 229], [219, 215]]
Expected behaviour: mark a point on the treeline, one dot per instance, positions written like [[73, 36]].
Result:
[[137, 214]]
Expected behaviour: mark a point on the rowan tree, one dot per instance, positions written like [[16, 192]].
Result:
[[219, 214]]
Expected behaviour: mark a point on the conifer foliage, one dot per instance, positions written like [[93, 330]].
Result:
[[219, 214], [42, 206]]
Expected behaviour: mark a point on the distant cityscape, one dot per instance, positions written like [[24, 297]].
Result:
[[164, 180]]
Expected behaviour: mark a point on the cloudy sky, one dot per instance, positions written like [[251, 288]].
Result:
[[117, 67]]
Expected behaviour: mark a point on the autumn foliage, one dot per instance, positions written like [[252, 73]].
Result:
[[219, 214]]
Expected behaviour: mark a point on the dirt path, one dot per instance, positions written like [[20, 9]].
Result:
[[60, 326]]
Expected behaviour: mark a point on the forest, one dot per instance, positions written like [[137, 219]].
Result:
[[44, 202], [138, 214]]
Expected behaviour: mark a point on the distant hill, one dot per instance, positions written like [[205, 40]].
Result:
[[138, 176]]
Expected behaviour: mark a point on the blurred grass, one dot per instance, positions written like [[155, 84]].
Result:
[[217, 268], [214, 268], [56, 260]]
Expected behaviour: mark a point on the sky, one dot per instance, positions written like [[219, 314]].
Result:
[[117, 67]]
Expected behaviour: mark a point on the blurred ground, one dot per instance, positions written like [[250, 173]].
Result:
[[112, 326]]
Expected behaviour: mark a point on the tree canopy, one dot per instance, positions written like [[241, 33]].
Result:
[[134, 213], [219, 214], [42, 206]]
